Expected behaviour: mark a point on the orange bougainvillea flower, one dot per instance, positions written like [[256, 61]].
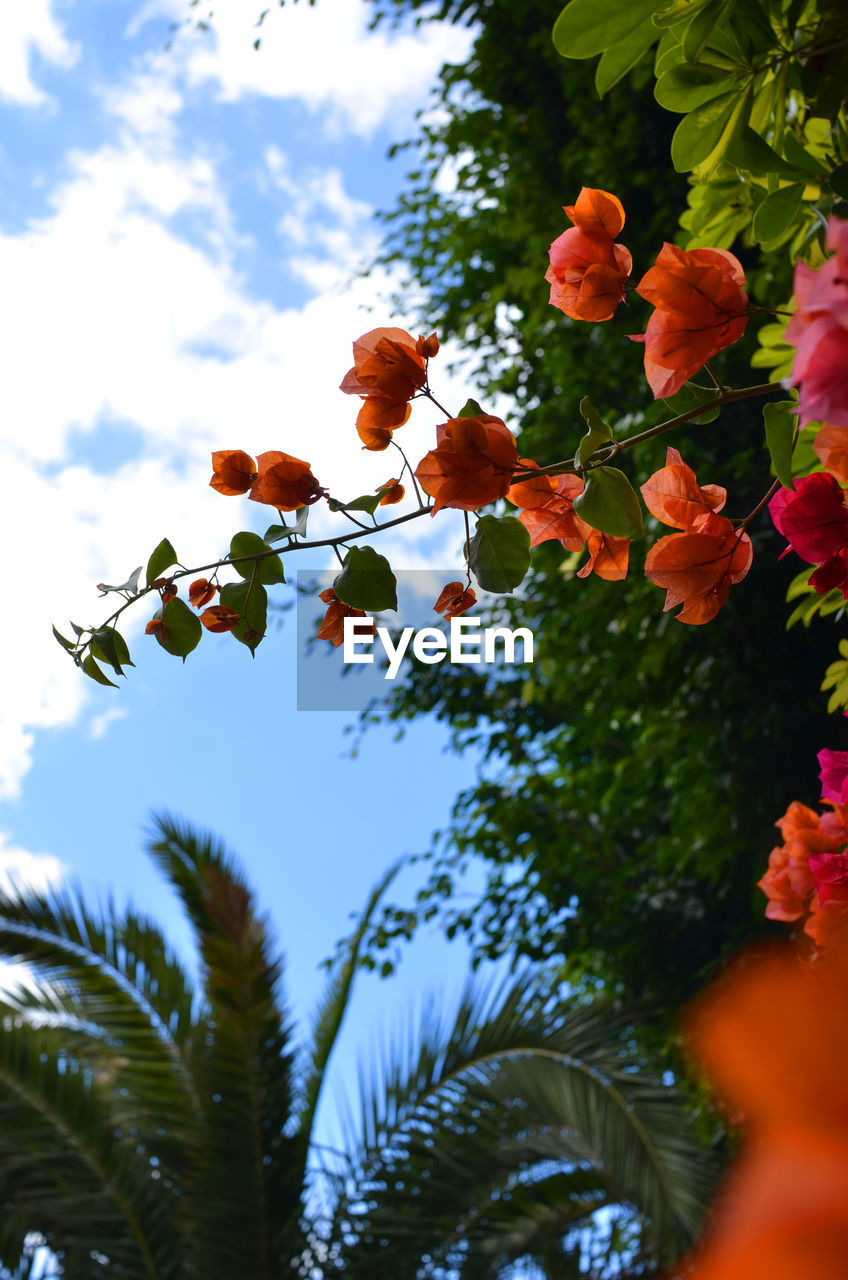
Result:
[[588, 271], [807, 876], [697, 567], [701, 308], [154, 625], [831, 449], [455, 599], [471, 465], [608, 557], [220, 618], [285, 482], [201, 592], [332, 628], [166, 587], [391, 492], [772, 1036], [389, 368], [547, 503], [234, 471]]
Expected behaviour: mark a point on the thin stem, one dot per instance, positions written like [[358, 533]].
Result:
[[758, 508]]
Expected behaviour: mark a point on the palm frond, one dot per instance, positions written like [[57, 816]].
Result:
[[246, 1185]]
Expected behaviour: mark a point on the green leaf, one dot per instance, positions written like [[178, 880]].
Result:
[[268, 571], [275, 532], [684, 87], [704, 129], [689, 397], [368, 502], [798, 156], [781, 419], [777, 212], [499, 553], [609, 503], [747, 150], [131, 584], [66, 644], [470, 409], [618, 59], [180, 631], [699, 29], [599, 432], [250, 599], [110, 646], [366, 581], [587, 27], [91, 668], [162, 558], [681, 11]]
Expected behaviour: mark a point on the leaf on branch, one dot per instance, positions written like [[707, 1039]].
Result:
[[609, 503], [598, 433], [269, 570], [130, 586], [781, 422], [499, 553], [162, 558], [180, 631], [110, 646], [250, 601], [368, 502], [366, 581], [91, 669]]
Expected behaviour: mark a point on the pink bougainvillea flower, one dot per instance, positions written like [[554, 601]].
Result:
[[814, 521], [588, 270], [834, 775], [830, 873], [701, 308], [819, 331]]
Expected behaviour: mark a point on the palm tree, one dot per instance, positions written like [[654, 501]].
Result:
[[157, 1128]]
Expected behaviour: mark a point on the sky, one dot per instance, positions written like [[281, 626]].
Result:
[[182, 221]]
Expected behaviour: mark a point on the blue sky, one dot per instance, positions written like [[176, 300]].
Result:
[[180, 231]]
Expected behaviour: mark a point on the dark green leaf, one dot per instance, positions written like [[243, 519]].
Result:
[[470, 409], [368, 502], [705, 129], [91, 668], [251, 601], [777, 212], [609, 503], [66, 644], [110, 646], [180, 631], [798, 156], [499, 553], [269, 570], [599, 432], [699, 29], [689, 397], [162, 558], [781, 419], [366, 581], [587, 27], [747, 150], [680, 12], [684, 87], [839, 181], [621, 57]]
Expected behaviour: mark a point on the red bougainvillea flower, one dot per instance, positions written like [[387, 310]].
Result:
[[819, 330], [772, 1035], [388, 370], [814, 521], [285, 482], [830, 873], [588, 271], [220, 618], [455, 599], [234, 471], [834, 775], [391, 492], [698, 566], [332, 628], [700, 309], [547, 503], [831, 449], [471, 465], [201, 592]]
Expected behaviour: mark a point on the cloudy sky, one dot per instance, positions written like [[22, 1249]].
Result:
[[182, 219]]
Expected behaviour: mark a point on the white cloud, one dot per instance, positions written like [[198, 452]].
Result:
[[21, 869], [100, 723], [29, 27], [113, 320], [325, 57]]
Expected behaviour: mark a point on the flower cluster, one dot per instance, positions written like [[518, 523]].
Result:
[[813, 519], [807, 877], [275, 478], [389, 368], [588, 271]]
